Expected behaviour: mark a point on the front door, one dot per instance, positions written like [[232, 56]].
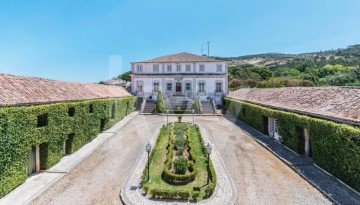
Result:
[[32, 162], [178, 87]]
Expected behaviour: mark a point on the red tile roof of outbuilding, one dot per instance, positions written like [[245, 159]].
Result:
[[341, 103], [19, 90]]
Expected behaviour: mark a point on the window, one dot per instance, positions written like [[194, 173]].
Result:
[[202, 68], [156, 68], [201, 87], [219, 68], [218, 88], [188, 68], [139, 86], [71, 111], [168, 68], [139, 69], [178, 68], [188, 86], [42, 120], [156, 86], [91, 108], [169, 86]]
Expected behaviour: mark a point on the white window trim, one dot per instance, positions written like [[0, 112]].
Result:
[[153, 86], [199, 86], [217, 68], [167, 68], [158, 68], [221, 86], [187, 82], [172, 86], [177, 67], [186, 66], [139, 68], [200, 68]]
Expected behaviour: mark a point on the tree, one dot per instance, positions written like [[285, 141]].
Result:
[[160, 104], [287, 72], [125, 76]]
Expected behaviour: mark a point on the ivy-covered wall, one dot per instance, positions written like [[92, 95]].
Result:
[[50, 126], [334, 147]]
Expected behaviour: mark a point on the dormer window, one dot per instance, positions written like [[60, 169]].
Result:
[[178, 68], [139, 68], [202, 68], [156, 68]]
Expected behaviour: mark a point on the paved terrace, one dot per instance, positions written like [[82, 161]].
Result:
[[259, 176]]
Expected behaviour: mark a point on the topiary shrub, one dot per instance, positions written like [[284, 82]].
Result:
[[180, 165], [160, 104]]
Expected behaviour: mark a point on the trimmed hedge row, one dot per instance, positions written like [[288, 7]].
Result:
[[334, 147], [50, 125], [178, 179]]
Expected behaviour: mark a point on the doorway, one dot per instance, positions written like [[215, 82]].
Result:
[[273, 129], [68, 144], [178, 87], [32, 161]]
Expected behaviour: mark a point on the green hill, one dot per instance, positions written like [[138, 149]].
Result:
[[339, 67]]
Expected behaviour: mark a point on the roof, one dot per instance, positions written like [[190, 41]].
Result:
[[335, 103], [180, 57], [19, 90], [115, 82]]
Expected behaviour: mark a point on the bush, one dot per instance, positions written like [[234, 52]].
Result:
[[334, 147], [196, 106], [180, 165], [160, 104], [19, 131]]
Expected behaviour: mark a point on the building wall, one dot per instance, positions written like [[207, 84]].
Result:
[[210, 67], [21, 129], [334, 147], [210, 76]]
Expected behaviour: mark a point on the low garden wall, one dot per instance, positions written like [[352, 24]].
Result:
[[334, 147], [49, 126]]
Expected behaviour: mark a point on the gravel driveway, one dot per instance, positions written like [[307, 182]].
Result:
[[260, 177]]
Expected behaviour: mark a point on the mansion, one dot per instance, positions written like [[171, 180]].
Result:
[[180, 75]]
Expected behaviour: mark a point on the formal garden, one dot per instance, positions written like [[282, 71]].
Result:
[[180, 167]]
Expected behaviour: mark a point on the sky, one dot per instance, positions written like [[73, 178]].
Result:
[[94, 40]]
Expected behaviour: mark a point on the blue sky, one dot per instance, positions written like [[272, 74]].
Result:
[[93, 40]]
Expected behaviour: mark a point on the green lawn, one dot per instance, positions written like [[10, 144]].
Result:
[[158, 158]]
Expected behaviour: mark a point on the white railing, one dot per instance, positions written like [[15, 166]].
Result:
[[143, 105], [213, 105]]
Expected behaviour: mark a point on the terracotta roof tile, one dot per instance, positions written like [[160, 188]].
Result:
[[180, 57], [335, 102], [19, 90]]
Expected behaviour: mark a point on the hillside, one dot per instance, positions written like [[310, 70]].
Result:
[[339, 67], [349, 56]]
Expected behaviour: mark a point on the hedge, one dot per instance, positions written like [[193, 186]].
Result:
[[173, 190], [335, 147], [50, 125], [178, 179]]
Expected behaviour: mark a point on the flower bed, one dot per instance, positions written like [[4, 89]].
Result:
[[179, 143]]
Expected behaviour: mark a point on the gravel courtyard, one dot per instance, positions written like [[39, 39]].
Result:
[[259, 177]]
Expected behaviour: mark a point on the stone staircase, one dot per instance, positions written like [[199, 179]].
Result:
[[183, 102], [149, 107], [207, 108]]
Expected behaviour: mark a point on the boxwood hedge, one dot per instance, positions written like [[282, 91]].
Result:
[[50, 125], [335, 147]]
